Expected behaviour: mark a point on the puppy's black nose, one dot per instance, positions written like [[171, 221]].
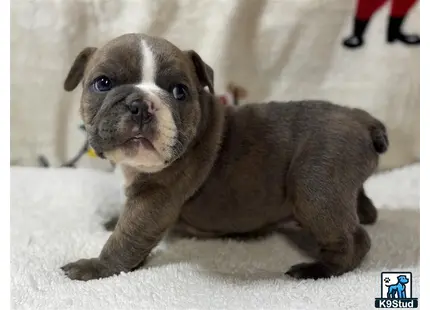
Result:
[[140, 111]]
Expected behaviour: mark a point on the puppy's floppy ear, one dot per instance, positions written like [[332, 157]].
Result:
[[76, 72], [204, 73]]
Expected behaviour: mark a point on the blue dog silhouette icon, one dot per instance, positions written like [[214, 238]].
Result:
[[398, 290]]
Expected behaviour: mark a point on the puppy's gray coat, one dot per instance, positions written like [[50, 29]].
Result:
[[199, 168]]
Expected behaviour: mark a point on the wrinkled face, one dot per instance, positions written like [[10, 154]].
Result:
[[141, 99]]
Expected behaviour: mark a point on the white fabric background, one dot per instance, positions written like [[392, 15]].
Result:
[[281, 50]]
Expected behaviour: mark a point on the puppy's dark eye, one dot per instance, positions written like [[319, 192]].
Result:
[[102, 84], [179, 92]]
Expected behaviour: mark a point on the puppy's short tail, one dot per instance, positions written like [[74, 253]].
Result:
[[379, 136], [377, 130]]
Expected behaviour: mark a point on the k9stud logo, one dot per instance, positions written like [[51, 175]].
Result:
[[396, 291]]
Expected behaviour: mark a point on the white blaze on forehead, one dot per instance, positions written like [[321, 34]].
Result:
[[149, 65], [167, 131]]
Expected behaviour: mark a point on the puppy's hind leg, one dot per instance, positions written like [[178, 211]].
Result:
[[110, 224], [331, 217], [367, 213]]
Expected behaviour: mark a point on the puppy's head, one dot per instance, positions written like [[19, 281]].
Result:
[[142, 99]]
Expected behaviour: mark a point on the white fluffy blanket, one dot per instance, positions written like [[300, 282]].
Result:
[[54, 221]]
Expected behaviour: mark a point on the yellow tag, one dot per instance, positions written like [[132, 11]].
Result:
[[91, 152]]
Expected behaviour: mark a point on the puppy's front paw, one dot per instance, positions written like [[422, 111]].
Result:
[[309, 271], [87, 269]]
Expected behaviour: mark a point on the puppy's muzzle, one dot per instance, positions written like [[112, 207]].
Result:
[[142, 111]]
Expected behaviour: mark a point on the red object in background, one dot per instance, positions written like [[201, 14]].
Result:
[[400, 8], [364, 12], [234, 94], [223, 99]]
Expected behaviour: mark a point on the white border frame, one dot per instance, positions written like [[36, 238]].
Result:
[[424, 300], [5, 154]]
